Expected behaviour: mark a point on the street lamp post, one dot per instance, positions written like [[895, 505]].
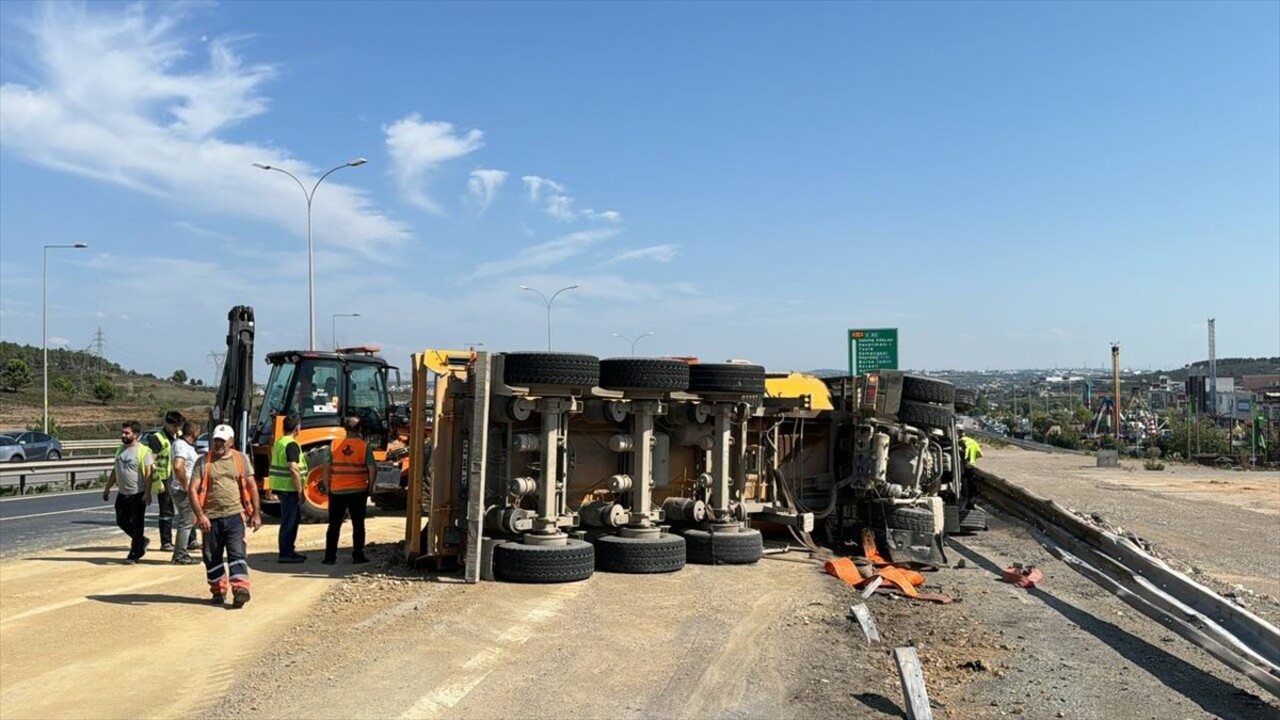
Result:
[[632, 342], [548, 301], [44, 322], [333, 321], [311, 265]]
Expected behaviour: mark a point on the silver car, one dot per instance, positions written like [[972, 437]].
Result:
[[39, 446], [10, 450]]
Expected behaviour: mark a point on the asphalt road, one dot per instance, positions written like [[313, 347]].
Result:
[[60, 520]]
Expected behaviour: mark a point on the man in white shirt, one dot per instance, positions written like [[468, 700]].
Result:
[[184, 463]]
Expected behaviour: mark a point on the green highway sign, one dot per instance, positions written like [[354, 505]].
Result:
[[873, 349]]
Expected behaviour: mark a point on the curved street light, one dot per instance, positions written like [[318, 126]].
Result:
[[44, 322], [311, 265], [548, 301], [632, 342]]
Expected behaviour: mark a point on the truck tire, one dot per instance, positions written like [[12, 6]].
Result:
[[726, 378], [637, 555], [926, 389], [541, 368], [519, 563], [744, 547], [973, 520], [919, 413], [966, 398], [644, 374], [901, 517]]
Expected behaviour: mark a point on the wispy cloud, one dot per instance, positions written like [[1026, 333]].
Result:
[[483, 186], [535, 185], [545, 255], [657, 253], [120, 96], [609, 216], [417, 147]]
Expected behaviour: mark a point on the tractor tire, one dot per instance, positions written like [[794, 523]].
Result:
[[542, 368], [901, 517], [744, 547], [973, 520], [391, 501], [926, 389], [519, 563], [966, 398], [639, 555], [644, 374], [314, 503], [726, 378], [919, 413]]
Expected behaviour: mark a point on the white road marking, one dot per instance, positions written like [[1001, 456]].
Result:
[[38, 496], [474, 671], [92, 511]]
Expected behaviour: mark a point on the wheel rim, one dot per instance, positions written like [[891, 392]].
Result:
[[313, 494]]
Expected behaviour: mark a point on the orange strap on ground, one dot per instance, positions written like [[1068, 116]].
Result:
[[901, 578]]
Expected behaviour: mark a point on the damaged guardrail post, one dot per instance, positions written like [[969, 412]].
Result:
[[913, 691]]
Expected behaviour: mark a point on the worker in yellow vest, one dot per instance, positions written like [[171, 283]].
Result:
[[161, 444], [287, 478], [969, 448], [351, 476]]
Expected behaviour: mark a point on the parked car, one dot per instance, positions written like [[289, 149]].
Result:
[[202, 444], [10, 450], [39, 446]]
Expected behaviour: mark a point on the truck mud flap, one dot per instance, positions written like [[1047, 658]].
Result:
[[912, 546]]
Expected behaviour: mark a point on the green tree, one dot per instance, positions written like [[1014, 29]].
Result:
[[104, 391], [179, 376], [64, 386], [16, 375]]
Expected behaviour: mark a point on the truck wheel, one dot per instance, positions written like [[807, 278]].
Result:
[[637, 555], [966, 398], [744, 547], [926, 389], [726, 378], [519, 563], [900, 517], [919, 413], [973, 520], [644, 374], [540, 368]]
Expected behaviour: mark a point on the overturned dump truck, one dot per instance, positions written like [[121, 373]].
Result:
[[545, 467]]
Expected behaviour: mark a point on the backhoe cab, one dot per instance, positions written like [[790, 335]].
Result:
[[323, 388]]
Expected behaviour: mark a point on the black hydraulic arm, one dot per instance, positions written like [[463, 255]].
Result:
[[235, 391]]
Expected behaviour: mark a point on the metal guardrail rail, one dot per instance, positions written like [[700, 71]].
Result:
[[1024, 444], [1236, 637], [53, 472], [85, 445]]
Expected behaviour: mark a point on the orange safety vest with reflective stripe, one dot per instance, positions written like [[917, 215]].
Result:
[[349, 470], [246, 498]]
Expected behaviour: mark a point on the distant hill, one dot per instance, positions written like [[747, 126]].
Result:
[[1227, 367], [68, 363]]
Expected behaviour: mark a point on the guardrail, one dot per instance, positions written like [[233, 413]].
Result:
[[53, 472], [72, 446], [1024, 444]]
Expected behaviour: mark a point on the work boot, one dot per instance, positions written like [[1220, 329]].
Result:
[[167, 547], [219, 599], [239, 597], [184, 560]]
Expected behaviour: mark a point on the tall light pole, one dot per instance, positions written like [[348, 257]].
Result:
[[311, 264], [44, 322], [632, 342], [548, 301], [334, 325]]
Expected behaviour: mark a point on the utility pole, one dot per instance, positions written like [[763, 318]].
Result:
[[100, 348], [1213, 370], [1115, 389]]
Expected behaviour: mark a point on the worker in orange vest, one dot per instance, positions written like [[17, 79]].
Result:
[[351, 475]]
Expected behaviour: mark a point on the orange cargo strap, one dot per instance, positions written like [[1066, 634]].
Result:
[[246, 498], [901, 578]]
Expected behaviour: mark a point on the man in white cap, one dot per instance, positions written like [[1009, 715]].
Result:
[[224, 495]]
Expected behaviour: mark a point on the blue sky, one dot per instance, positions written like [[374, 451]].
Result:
[[1009, 184]]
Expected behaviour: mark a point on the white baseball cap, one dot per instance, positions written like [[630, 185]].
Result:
[[224, 432]]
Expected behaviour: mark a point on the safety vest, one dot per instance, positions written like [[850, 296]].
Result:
[[246, 497], [349, 471], [972, 451], [280, 478], [163, 468]]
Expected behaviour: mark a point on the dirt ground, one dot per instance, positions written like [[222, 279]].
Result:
[[1222, 527], [78, 629]]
